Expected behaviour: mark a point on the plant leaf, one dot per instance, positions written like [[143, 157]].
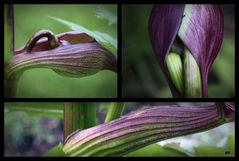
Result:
[[55, 151], [104, 40], [156, 150], [46, 109], [103, 13], [210, 151]]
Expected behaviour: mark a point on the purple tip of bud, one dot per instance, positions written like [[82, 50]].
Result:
[[229, 108]]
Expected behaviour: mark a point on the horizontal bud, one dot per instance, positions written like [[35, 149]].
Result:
[[141, 128], [77, 60], [175, 69]]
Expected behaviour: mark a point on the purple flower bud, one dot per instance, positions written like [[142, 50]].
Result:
[[70, 54], [199, 27], [143, 127]]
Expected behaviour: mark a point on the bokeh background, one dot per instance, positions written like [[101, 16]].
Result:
[[141, 73], [39, 82], [32, 128]]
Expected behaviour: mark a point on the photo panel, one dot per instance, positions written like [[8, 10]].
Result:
[[133, 129], [178, 50], [61, 51]]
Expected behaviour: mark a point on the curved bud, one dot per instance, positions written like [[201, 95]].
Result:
[[141, 128], [72, 54], [77, 60], [175, 69], [229, 110], [192, 76]]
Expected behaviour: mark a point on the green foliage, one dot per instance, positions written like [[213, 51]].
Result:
[[156, 150], [209, 151], [56, 151], [39, 109]]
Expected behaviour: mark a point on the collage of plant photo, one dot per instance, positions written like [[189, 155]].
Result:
[[119, 80]]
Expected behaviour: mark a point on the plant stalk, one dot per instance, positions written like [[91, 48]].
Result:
[[115, 111], [78, 116], [10, 84]]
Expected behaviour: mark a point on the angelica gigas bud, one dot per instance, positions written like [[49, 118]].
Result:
[[143, 127], [200, 29], [70, 54]]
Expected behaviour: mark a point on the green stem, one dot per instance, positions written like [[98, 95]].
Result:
[[115, 111], [10, 84], [8, 32], [78, 116], [10, 87]]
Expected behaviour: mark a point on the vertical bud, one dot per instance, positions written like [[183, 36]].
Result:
[[175, 69], [192, 76]]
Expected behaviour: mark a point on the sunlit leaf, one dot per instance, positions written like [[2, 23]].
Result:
[[231, 144], [176, 147], [104, 39], [211, 151], [56, 151], [156, 150]]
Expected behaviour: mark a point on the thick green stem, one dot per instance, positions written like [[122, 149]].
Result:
[[78, 116], [143, 127], [8, 32], [115, 111], [10, 87], [10, 84]]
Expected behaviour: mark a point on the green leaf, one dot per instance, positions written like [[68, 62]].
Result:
[[210, 151], [156, 150], [103, 13], [104, 39], [46, 109], [56, 151], [176, 146], [231, 144]]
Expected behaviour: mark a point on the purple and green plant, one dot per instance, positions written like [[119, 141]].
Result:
[[78, 53], [186, 40], [121, 135]]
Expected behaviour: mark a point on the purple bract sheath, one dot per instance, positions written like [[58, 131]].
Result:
[[143, 127], [199, 27]]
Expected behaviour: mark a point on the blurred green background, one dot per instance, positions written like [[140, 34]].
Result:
[[142, 75], [45, 82]]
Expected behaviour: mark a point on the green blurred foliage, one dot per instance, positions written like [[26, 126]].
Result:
[[27, 135], [142, 75], [155, 150], [46, 83]]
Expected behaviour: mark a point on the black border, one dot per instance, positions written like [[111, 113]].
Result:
[[119, 92]]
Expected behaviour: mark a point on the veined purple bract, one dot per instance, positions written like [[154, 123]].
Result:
[[199, 28]]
